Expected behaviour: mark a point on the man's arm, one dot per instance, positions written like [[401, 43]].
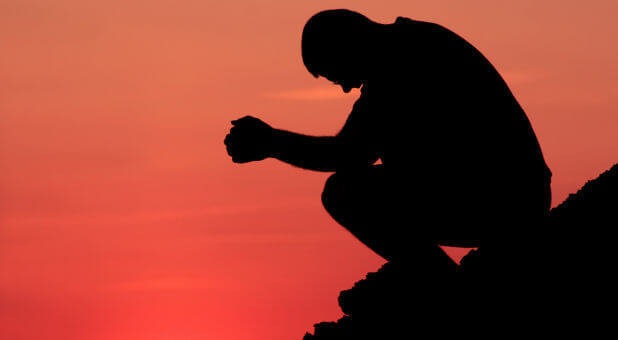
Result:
[[307, 152], [331, 153], [251, 139]]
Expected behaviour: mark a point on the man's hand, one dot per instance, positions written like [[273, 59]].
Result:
[[250, 139]]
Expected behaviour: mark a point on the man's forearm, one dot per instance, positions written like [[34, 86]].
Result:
[[307, 152]]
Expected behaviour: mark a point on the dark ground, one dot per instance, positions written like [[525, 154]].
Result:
[[563, 285]]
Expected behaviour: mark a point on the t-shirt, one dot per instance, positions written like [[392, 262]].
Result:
[[437, 108]]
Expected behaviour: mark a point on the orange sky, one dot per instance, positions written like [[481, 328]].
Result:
[[121, 216]]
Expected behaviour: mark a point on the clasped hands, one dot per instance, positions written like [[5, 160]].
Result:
[[249, 139]]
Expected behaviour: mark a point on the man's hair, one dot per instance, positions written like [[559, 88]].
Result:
[[330, 34]]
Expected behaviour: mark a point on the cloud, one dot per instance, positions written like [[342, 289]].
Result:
[[314, 93], [331, 92], [158, 215]]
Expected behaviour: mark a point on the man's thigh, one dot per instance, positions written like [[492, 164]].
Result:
[[362, 191]]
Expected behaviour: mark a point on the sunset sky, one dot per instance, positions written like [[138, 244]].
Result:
[[121, 215]]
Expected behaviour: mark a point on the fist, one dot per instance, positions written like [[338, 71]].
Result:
[[250, 139]]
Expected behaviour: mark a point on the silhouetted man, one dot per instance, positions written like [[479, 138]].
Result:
[[461, 164]]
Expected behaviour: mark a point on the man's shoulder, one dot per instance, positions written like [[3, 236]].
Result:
[[404, 23], [427, 35]]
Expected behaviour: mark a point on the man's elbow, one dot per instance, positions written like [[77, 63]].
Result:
[[358, 162]]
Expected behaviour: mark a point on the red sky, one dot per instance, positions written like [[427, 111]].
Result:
[[121, 216]]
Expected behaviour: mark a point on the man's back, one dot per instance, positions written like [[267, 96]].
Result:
[[439, 106]]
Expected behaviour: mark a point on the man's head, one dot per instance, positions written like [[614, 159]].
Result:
[[336, 44]]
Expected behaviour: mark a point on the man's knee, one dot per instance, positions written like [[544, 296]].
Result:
[[329, 193], [363, 188]]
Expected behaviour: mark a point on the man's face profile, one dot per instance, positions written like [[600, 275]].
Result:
[[334, 43], [343, 77]]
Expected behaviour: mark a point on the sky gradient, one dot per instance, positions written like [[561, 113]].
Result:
[[121, 215]]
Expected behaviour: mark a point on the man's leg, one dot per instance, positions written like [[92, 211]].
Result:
[[364, 202], [520, 233]]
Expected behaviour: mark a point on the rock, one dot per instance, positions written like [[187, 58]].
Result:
[[567, 286]]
